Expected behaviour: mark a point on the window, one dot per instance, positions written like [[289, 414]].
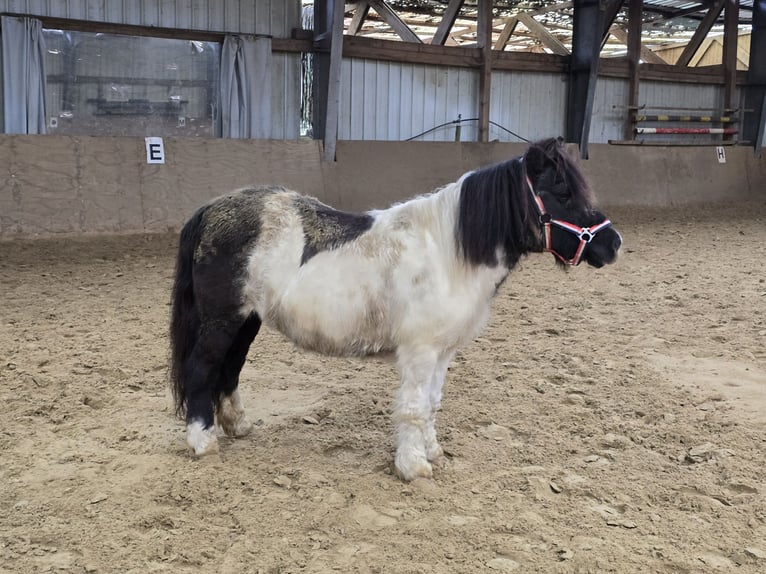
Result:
[[109, 84]]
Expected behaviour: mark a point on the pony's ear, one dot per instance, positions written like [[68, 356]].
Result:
[[539, 156]]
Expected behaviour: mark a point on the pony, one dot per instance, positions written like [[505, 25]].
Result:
[[414, 281]]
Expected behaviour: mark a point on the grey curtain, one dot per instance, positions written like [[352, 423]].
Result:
[[23, 75], [245, 101]]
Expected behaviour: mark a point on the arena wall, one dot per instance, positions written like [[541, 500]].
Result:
[[53, 185]]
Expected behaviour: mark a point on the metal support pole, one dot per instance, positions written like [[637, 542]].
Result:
[[754, 115], [583, 71]]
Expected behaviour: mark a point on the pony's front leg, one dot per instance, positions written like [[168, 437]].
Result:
[[412, 412], [434, 451]]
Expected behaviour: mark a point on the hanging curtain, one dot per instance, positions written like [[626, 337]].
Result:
[[23, 75], [246, 87]]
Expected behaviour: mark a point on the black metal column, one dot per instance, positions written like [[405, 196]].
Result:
[[321, 60], [754, 121], [583, 71]]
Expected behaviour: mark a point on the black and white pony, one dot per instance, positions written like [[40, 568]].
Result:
[[415, 281]]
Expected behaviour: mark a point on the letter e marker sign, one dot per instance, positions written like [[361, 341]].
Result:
[[155, 150]]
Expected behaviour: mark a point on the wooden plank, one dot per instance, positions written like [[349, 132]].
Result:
[[548, 39], [392, 19], [451, 56], [361, 47], [506, 33], [611, 9], [360, 13], [710, 75], [646, 54], [509, 26], [333, 87], [447, 21], [484, 41], [700, 33], [394, 80], [700, 53], [183, 13], [382, 99]]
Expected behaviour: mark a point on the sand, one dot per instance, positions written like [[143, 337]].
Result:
[[608, 420]]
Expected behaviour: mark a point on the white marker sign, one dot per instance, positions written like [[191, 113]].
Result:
[[155, 150], [721, 153]]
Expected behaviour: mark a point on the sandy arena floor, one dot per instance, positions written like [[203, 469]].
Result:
[[607, 421]]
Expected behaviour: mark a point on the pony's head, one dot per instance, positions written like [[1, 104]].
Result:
[[571, 227]]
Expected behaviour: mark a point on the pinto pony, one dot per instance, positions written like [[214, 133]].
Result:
[[414, 281]]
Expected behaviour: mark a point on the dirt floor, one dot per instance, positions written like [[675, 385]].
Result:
[[607, 421]]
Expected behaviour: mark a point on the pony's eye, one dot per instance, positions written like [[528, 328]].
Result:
[[561, 191]]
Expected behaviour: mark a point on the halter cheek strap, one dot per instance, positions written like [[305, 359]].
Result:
[[584, 234]]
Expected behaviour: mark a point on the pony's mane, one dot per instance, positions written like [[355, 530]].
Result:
[[493, 212]]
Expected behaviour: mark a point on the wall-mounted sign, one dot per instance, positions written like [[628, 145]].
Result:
[[720, 154], [155, 150]]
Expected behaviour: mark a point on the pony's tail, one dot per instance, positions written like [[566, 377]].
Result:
[[184, 319]]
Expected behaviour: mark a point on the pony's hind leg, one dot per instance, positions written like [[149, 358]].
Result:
[[230, 411], [201, 371]]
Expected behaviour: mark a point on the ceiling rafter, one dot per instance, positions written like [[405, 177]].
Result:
[[546, 28]]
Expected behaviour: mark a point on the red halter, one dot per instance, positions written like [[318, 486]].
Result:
[[584, 234]]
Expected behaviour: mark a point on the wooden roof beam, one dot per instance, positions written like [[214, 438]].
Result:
[[645, 53], [447, 22], [392, 19], [700, 33], [360, 13], [548, 39], [611, 9], [510, 23], [506, 33]]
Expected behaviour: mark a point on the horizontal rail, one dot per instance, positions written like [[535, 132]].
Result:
[[680, 118], [725, 131]]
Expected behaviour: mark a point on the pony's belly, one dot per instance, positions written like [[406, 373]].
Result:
[[332, 339], [339, 324]]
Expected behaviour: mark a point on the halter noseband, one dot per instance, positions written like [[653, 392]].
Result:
[[584, 234]]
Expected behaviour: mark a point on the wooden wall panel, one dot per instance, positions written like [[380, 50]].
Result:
[[383, 100], [67, 185], [532, 105], [109, 180], [48, 190], [273, 17], [9, 208]]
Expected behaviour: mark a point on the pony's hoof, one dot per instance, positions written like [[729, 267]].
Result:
[[435, 454], [440, 461], [238, 429], [202, 441], [410, 468]]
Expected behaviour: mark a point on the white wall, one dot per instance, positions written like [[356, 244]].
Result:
[[274, 17]]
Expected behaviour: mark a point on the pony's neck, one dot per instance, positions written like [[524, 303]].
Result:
[[493, 224], [435, 212]]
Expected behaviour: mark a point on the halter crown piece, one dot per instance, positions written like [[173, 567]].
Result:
[[584, 234]]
